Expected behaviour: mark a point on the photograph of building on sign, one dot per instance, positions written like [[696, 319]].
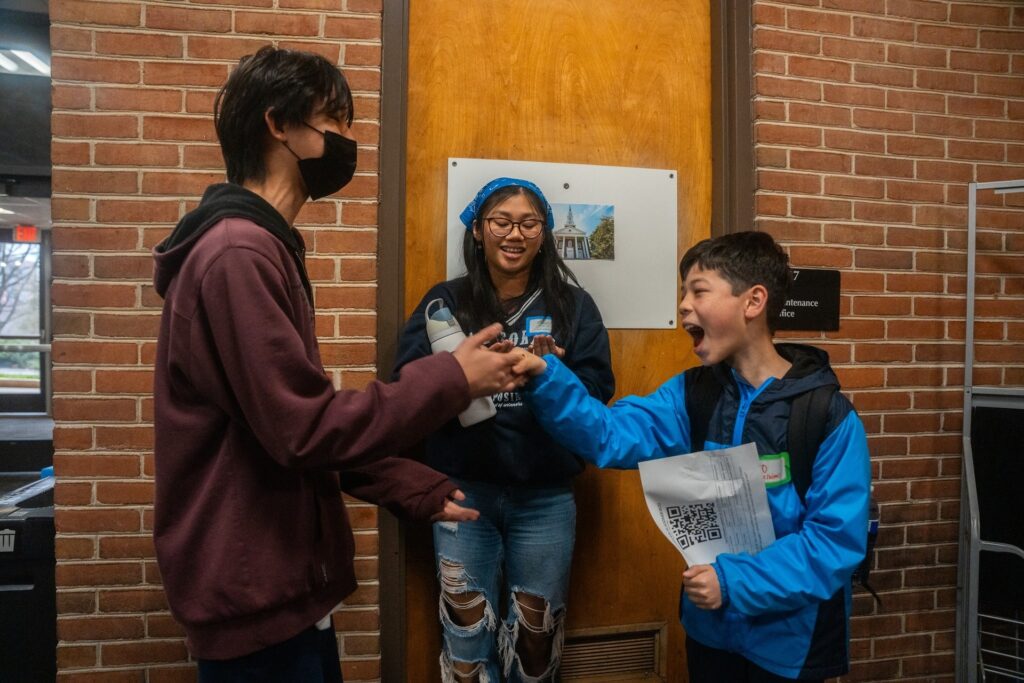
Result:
[[584, 231]]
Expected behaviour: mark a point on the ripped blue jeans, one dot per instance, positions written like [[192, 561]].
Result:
[[521, 545]]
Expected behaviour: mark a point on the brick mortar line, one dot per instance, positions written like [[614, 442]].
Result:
[[117, 29], [892, 17], [876, 40], [901, 42], [888, 131], [882, 131], [169, 113], [186, 60], [229, 9], [887, 63], [758, 97]]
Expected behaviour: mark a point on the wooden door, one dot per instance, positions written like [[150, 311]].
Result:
[[589, 82]]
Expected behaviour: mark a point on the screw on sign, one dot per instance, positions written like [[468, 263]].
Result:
[[7, 540]]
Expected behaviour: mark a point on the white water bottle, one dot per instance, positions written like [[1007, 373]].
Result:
[[444, 334]]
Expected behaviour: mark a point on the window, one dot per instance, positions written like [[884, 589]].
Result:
[[24, 313]]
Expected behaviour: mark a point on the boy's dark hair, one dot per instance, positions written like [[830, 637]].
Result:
[[292, 85], [745, 259], [548, 272]]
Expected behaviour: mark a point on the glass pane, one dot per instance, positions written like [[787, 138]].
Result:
[[20, 371], [19, 291]]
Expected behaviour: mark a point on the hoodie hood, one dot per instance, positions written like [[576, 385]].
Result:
[[224, 200]]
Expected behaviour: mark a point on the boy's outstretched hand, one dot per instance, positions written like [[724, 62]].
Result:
[[453, 512], [529, 361], [701, 585], [527, 364]]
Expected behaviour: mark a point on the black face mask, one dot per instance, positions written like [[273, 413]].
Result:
[[329, 173]]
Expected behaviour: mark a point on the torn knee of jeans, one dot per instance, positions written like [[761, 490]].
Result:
[[452, 603], [457, 595], [463, 602], [535, 621], [462, 674]]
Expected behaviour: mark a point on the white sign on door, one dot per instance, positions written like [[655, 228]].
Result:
[[615, 227]]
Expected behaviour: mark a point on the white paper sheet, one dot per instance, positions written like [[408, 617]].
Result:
[[710, 502]]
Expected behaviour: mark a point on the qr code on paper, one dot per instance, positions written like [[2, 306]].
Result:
[[692, 524]]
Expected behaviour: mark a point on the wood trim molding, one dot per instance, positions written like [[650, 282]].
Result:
[[732, 132], [391, 309]]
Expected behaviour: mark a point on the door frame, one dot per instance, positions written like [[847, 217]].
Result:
[[391, 310], [732, 209]]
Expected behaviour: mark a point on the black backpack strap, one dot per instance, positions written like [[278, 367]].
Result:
[[702, 393], [863, 572], [702, 390], [808, 420]]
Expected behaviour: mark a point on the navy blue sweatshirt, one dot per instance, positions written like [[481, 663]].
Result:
[[512, 448]]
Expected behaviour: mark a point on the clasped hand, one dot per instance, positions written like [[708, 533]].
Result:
[[493, 366]]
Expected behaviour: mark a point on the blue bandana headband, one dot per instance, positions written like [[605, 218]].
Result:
[[468, 214]]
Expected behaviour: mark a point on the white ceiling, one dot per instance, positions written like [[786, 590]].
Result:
[[25, 211]]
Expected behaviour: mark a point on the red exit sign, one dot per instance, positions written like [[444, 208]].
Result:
[[26, 233]]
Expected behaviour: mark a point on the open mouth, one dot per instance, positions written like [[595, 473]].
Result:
[[513, 251], [696, 332]]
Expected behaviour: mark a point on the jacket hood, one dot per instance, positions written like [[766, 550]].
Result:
[[810, 370], [224, 200]]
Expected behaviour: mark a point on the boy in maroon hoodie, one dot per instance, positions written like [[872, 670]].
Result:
[[253, 443]]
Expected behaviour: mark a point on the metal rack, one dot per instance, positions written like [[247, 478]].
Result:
[[990, 635]]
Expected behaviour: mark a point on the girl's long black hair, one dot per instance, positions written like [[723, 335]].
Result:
[[478, 300]]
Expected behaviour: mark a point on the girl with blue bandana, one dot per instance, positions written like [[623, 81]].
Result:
[[517, 556]]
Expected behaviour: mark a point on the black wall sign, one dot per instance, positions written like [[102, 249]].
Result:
[[813, 303]]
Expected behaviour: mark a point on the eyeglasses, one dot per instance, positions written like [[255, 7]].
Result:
[[502, 227]]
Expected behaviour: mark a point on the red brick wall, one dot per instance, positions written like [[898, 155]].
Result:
[[133, 148], [872, 116]]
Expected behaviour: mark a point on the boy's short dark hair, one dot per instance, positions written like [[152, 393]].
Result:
[[745, 259], [292, 85]]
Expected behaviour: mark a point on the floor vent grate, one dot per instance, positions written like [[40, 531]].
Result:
[[622, 653]]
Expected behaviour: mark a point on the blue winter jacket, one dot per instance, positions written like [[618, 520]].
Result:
[[786, 608]]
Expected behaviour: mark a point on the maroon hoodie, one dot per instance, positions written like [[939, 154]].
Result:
[[253, 441]]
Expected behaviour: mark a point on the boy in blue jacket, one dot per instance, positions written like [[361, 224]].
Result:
[[782, 614]]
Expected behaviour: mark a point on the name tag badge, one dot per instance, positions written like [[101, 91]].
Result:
[[538, 325], [775, 469]]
